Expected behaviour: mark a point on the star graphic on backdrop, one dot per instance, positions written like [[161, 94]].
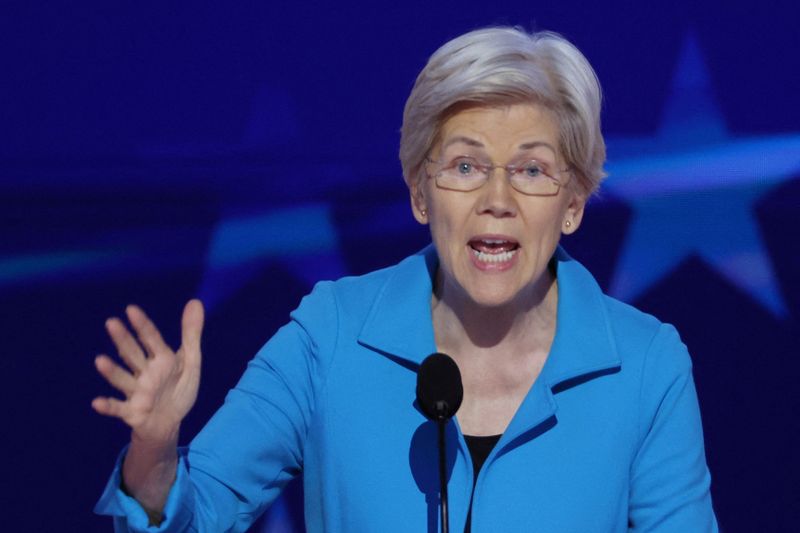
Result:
[[303, 238], [692, 190]]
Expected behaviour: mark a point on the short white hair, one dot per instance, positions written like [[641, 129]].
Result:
[[502, 66]]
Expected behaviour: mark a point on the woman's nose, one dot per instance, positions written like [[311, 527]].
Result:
[[497, 196]]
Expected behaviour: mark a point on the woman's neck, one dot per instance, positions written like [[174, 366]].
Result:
[[525, 324]]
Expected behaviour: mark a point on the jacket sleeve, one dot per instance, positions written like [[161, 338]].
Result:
[[253, 445], [670, 482]]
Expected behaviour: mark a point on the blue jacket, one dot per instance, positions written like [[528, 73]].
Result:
[[608, 438]]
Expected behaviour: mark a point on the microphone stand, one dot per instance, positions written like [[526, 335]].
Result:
[[439, 395], [443, 474]]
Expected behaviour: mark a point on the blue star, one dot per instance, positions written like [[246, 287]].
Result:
[[302, 237], [692, 191]]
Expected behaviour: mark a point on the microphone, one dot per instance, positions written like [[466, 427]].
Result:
[[439, 389], [439, 395]]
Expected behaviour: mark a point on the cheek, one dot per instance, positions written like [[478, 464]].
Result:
[[545, 230], [444, 218], [448, 235], [442, 233]]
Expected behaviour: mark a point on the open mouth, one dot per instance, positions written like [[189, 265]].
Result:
[[493, 250]]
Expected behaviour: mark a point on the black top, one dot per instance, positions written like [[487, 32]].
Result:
[[479, 449]]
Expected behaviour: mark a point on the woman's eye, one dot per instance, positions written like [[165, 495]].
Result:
[[532, 170], [465, 167]]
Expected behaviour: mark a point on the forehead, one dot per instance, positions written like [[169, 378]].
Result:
[[507, 128]]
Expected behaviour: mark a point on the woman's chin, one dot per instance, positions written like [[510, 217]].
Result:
[[499, 298]]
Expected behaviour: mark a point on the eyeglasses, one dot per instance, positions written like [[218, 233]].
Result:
[[465, 173]]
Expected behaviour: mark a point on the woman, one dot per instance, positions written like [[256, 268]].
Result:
[[581, 410]]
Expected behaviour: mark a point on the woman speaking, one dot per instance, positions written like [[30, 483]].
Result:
[[579, 412]]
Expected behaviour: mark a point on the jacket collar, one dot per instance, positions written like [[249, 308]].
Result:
[[584, 342], [583, 349], [399, 323]]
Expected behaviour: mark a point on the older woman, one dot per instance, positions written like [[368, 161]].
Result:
[[579, 412]]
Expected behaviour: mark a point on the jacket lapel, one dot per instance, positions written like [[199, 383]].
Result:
[[399, 324], [583, 349]]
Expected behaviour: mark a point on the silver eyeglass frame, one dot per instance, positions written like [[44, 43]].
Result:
[[488, 170]]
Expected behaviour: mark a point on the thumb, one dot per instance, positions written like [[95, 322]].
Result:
[[192, 326]]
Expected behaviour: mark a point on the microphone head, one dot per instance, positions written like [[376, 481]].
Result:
[[439, 388]]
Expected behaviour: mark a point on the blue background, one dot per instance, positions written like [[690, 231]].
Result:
[[151, 152]]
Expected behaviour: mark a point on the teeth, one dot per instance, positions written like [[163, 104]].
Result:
[[494, 258], [493, 241]]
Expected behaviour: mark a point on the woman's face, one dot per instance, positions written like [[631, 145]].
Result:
[[494, 243]]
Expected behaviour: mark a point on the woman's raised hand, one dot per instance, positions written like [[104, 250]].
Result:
[[160, 385]]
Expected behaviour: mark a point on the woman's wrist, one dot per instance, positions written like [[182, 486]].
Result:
[[164, 443], [149, 471]]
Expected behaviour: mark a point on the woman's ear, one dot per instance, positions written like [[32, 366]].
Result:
[[418, 205], [574, 213]]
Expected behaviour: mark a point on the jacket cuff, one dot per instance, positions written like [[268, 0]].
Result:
[[128, 513]]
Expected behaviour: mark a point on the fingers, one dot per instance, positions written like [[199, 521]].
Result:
[[192, 326], [134, 352], [117, 376], [108, 406], [129, 350], [147, 332]]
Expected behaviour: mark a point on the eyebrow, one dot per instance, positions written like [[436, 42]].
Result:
[[462, 139], [472, 142], [536, 144]]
